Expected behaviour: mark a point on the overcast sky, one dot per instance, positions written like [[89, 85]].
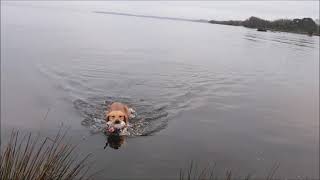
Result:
[[219, 10]]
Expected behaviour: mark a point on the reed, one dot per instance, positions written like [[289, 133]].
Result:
[[33, 157], [207, 173]]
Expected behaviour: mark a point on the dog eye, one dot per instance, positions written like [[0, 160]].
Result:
[[113, 116], [120, 116]]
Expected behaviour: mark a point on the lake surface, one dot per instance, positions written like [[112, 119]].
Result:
[[231, 96]]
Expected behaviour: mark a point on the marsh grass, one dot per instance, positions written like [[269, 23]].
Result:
[[35, 158], [207, 173], [32, 157]]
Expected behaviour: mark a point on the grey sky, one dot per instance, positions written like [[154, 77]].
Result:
[[219, 10]]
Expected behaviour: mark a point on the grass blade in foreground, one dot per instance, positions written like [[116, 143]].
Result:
[[41, 158]]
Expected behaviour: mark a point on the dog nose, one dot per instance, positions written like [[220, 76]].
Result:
[[117, 122]]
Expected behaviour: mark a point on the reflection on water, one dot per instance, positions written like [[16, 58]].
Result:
[[114, 142], [297, 40]]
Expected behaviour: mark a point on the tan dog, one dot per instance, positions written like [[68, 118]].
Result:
[[117, 117]]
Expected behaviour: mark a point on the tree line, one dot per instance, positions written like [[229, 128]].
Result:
[[304, 25]]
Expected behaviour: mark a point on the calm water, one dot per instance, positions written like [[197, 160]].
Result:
[[232, 96]]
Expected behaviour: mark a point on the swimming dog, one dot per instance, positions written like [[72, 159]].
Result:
[[117, 117]]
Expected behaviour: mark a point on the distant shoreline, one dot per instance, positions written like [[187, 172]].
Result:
[[299, 26], [149, 16]]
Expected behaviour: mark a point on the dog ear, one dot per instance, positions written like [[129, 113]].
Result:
[[107, 116], [126, 118], [126, 111]]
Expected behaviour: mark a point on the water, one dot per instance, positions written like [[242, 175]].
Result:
[[150, 119], [232, 96]]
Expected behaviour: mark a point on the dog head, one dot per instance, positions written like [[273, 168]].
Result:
[[116, 120]]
